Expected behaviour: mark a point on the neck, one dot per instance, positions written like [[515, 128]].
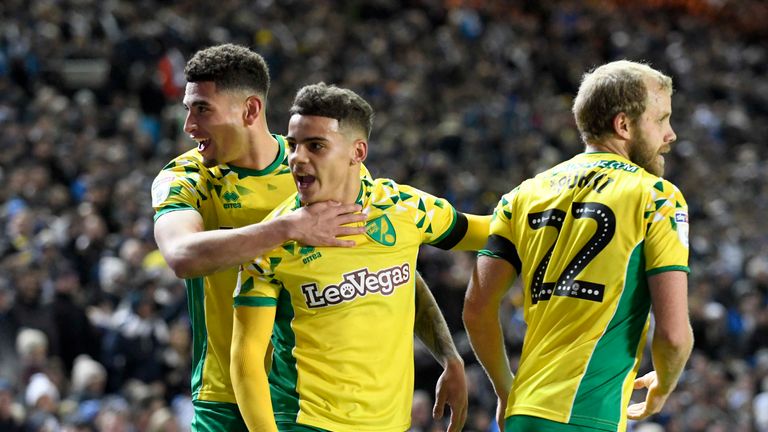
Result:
[[345, 193], [262, 149], [608, 146], [351, 189]]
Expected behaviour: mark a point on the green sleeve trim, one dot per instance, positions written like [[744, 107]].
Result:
[[487, 253], [658, 270], [172, 208], [447, 232], [255, 301]]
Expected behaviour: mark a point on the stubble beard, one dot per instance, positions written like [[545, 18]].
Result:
[[642, 154]]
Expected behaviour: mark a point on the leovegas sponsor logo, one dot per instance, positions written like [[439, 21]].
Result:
[[358, 283]]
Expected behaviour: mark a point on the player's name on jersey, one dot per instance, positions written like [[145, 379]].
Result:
[[606, 164], [355, 284], [580, 179]]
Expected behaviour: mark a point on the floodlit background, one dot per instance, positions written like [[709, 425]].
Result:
[[471, 98]]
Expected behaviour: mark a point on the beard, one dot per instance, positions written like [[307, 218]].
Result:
[[641, 153]]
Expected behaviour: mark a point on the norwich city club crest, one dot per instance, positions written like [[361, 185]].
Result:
[[381, 231]]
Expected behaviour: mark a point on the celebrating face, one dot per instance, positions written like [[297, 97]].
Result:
[[214, 120], [324, 158]]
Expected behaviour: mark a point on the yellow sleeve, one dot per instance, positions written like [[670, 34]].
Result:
[[666, 238], [250, 341], [501, 243], [477, 233], [181, 185]]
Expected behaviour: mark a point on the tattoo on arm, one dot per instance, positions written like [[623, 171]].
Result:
[[430, 326]]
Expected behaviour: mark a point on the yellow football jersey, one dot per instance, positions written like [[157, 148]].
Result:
[[584, 236], [343, 333], [226, 197]]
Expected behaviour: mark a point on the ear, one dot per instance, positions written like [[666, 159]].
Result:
[[622, 126], [360, 151], [253, 109]]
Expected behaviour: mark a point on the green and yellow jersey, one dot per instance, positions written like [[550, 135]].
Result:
[[226, 197], [343, 333], [584, 236]]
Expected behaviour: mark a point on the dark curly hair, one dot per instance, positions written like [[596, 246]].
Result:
[[341, 104], [231, 67]]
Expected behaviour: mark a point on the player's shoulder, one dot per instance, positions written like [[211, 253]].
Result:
[[662, 192], [385, 191], [188, 164]]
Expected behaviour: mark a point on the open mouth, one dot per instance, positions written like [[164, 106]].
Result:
[[304, 181], [203, 144]]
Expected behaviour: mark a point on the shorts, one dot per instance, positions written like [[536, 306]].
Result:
[[217, 417], [524, 423], [294, 427]]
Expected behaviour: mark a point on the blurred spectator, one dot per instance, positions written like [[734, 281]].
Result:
[[32, 349], [9, 411], [471, 97]]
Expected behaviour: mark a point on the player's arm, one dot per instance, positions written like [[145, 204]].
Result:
[[491, 278], [672, 341], [191, 251], [476, 233], [250, 341], [430, 327]]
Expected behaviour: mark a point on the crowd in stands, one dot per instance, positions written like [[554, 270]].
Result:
[[471, 98]]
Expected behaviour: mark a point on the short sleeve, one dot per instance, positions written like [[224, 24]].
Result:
[[181, 185], [501, 236], [666, 223], [256, 283], [439, 223]]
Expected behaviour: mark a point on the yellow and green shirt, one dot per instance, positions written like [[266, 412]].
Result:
[[584, 236], [226, 197], [343, 333]]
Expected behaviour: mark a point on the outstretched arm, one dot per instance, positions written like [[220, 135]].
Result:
[[250, 341], [490, 281], [477, 233], [430, 327], [191, 251], [671, 345]]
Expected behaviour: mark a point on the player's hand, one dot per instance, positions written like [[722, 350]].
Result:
[[501, 407], [451, 389], [654, 400], [321, 224]]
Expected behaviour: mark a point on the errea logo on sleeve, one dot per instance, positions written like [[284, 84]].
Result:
[[358, 283]]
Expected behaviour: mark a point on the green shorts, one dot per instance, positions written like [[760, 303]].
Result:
[[524, 423], [217, 417], [293, 427]]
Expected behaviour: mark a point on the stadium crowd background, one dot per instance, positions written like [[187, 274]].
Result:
[[471, 98]]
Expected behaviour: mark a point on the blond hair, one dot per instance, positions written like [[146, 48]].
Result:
[[611, 89]]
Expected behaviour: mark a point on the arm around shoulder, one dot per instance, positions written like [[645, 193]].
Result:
[[191, 251], [477, 232]]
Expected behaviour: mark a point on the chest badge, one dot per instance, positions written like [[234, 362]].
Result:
[[381, 231]]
